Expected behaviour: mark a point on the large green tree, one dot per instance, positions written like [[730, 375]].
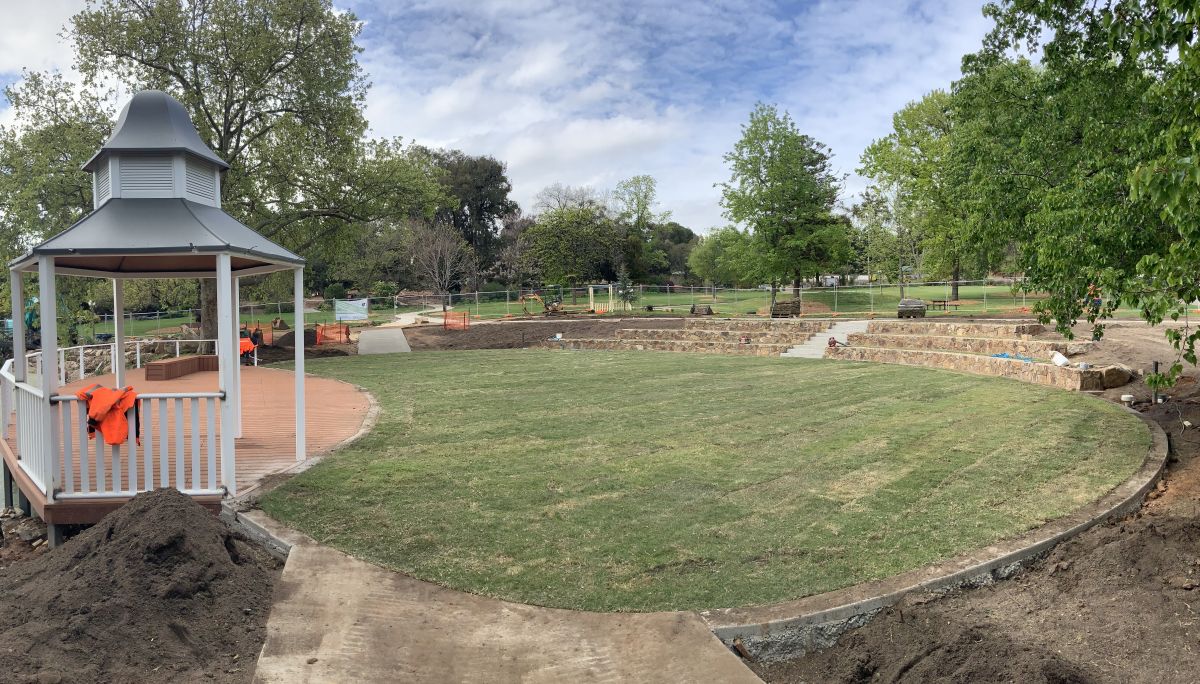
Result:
[[783, 188], [573, 245], [273, 87], [634, 200], [477, 188]]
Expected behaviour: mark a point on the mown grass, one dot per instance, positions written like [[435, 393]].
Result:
[[648, 481]]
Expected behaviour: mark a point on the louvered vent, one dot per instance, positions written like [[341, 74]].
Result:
[[201, 180], [147, 176], [103, 184]]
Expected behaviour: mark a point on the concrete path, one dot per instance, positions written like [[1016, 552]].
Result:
[[382, 340], [814, 348], [339, 619]]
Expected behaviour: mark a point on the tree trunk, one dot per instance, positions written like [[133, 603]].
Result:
[[796, 286], [774, 290], [957, 275], [208, 309]]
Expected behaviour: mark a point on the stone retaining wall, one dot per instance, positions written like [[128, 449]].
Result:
[[954, 329], [756, 337], [966, 345], [752, 324], [672, 346], [1039, 373]]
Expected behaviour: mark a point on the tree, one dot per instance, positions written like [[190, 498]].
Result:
[[917, 164], [634, 200], [440, 256], [478, 189], [726, 256], [573, 245], [274, 87], [669, 249], [559, 196], [783, 188]]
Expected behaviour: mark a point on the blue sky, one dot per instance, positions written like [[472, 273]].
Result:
[[588, 93]]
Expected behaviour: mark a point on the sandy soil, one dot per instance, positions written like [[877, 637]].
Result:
[[1120, 603], [160, 590]]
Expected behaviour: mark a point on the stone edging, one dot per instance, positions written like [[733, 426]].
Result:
[[785, 630]]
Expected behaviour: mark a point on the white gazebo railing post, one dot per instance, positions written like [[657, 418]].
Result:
[[298, 337], [227, 364], [49, 377], [137, 353], [119, 330], [235, 288], [16, 285]]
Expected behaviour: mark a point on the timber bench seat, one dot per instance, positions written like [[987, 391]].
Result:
[[169, 369]]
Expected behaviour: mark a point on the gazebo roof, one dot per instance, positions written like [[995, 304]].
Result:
[[153, 121], [158, 231], [158, 238]]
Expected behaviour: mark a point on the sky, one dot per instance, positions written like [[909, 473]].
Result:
[[581, 92]]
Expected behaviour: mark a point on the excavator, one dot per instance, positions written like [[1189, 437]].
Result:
[[553, 307]]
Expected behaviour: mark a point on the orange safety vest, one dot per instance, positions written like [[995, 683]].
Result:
[[106, 411]]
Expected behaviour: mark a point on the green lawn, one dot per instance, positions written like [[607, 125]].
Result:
[[648, 481]]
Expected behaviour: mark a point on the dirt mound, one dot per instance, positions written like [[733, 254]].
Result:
[[159, 590], [1112, 605], [925, 647]]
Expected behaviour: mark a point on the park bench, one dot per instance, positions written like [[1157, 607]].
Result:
[[169, 369]]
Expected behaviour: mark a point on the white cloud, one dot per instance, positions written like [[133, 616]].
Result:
[[582, 92], [590, 93]]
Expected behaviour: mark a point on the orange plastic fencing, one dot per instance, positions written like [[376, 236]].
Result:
[[337, 333], [456, 320]]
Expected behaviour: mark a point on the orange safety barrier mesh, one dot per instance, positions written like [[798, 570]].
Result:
[[338, 333], [456, 320]]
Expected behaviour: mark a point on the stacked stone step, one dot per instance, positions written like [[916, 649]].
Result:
[[1038, 349], [757, 325], [787, 337], [708, 347], [970, 347], [955, 329]]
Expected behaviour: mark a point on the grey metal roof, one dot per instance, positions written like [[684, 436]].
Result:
[[167, 235], [153, 121]]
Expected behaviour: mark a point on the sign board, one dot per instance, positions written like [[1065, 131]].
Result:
[[350, 309]]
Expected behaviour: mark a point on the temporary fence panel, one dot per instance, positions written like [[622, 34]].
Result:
[[456, 320], [333, 334]]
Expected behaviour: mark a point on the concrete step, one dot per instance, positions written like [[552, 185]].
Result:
[[955, 329], [1041, 349], [788, 337], [756, 324], [671, 346], [815, 347]]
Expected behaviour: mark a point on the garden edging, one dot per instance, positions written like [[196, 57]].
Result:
[[789, 629]]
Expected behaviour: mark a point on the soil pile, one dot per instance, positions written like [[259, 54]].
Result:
[[159, 590], [1113, 605]]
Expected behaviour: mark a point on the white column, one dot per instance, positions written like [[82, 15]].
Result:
[[236, 287], [298, 336], [227, 365], [49, 319], [16, 285], [119, 330]]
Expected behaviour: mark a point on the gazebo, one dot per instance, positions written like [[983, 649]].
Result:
[[157, 214]]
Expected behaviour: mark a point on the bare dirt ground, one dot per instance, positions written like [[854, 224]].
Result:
[[161, 590], [1120, 603], [520, 334]]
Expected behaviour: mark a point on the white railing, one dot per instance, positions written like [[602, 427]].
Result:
[[82, 354], [179, 438]]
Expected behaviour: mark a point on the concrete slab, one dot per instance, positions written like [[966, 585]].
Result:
[[383, 340], [339, 619], [814, 348]]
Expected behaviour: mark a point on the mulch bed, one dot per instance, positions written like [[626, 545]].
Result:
[[160, 590]]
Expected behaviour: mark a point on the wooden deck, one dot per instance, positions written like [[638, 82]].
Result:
[[334, 412]]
